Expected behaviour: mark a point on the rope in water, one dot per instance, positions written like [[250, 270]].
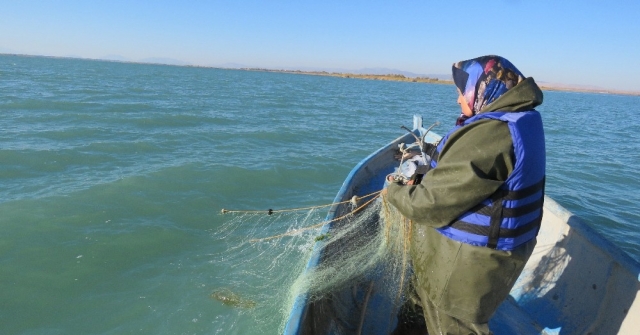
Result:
[[271, 211], [296, 231]]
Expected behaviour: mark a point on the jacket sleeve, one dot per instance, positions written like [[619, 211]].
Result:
[[474, 162]]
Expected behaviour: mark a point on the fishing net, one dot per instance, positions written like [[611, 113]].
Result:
[[348, 275], [337, 273], [253, 278]]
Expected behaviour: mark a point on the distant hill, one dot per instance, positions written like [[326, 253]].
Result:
[[231, 66], [116, 58], [4, 50]]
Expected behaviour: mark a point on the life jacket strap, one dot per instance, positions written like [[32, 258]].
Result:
[[526, 192], [495, 223], [497, 212], [503, 232], [508, 212]]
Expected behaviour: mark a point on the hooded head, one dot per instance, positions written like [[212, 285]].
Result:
[[484, 79]]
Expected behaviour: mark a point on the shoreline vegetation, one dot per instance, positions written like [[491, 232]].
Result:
[[388, 77], [400, 77]]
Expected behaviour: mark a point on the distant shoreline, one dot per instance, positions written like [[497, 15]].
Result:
[[387, 77], [399, 77], [586, 90]]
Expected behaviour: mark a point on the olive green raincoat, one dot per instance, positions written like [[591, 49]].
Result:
[[463, 281]]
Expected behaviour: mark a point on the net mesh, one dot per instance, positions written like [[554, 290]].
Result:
[[361, 261]]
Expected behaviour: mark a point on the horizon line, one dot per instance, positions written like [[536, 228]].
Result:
[[542, 84]]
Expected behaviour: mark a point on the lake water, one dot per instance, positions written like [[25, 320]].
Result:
[[113, 176]]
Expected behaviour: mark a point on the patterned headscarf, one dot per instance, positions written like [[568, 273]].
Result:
[[482, 80]]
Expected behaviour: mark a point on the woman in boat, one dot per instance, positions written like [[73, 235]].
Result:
[[478, 210]]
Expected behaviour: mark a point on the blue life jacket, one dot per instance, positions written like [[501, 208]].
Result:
[[512, 215]]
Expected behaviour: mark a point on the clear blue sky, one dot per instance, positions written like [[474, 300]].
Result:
[[590, 42]]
